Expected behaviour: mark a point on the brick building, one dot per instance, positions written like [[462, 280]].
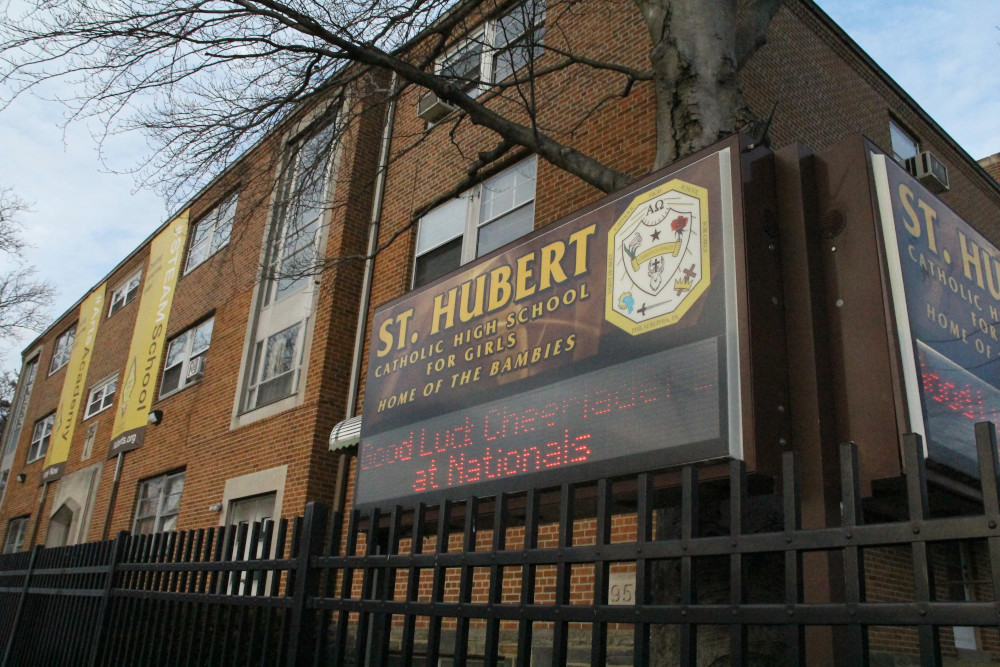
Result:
[[256, 365], [992, 165], [219, 315]]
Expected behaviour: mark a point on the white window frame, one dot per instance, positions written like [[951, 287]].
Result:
[[189, 352], [41, 436], [483, 37], [15, 418], [104, 393], [287, 301], [17, 528], [290, 236], [125, 292], [896, 130], [473, 211], [215, 229], [265, 368], [63, 348], [486, 36], [161, 512]]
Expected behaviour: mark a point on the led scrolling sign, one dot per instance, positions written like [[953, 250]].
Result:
[[603, 341]]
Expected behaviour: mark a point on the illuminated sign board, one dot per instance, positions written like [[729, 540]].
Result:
[[945, 280], [603, 343]]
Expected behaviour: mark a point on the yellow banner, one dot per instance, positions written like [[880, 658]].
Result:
[[72, 397], [148, 338]]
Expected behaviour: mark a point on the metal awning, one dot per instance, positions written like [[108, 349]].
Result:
[[345, 434]]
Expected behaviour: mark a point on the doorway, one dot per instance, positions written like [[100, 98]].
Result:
[[250, 510]]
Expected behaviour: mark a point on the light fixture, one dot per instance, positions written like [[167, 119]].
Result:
[[155, 417], [21, 477], [217, 507]]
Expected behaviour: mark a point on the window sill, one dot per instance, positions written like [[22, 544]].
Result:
[[119, 309], [265, 411], [188, 270], [94, 414], [174, 392]]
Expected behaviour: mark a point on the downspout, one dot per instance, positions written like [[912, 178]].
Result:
[[373, 231], [105, 532], [38, 517]]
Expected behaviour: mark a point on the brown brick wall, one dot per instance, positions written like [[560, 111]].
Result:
[[889, 577], [992, 165]]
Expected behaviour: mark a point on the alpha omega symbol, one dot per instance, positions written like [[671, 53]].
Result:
[[658, 257]]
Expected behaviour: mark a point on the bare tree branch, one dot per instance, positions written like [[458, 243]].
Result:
[[206, 79], [23, 298]]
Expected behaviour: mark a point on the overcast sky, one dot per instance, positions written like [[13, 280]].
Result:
[[85, 218]]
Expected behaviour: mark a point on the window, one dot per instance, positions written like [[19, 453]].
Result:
[[479, 221], [186, 358], [40, 438], [465, 63], [962, 580], [64, 345], [124, 293], [285, 302], [101, 396], [904, 145], [16, 416], [497, 49], [159, 500], [15, 535], [212, 232], [293, 250], [517, 37], [277, 362]]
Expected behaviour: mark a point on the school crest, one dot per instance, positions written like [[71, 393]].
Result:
[[658, 257]]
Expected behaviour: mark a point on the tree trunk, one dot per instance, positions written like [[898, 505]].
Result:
[[694, 60]]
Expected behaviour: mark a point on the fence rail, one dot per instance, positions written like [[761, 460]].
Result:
[[706, 570]]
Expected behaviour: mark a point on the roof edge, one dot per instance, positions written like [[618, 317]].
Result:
[[848, 41]]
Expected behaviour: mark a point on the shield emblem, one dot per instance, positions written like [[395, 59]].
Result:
[[651, 253], [658, 257]]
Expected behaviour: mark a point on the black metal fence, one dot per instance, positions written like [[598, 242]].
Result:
[[651, 569]]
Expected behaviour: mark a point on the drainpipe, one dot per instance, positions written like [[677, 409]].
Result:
[[114, 496], [38, 517], [373, 230]]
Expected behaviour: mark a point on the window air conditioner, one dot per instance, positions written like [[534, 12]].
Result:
[[930, 171], [196, 369], [432, 109]]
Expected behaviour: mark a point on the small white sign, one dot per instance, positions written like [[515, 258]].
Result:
[[621, 588]]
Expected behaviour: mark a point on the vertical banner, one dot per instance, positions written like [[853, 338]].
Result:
[[74, 386], [148, 337]]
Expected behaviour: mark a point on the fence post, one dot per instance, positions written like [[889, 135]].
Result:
[[37, 549], [302, 628], [117, 551]]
